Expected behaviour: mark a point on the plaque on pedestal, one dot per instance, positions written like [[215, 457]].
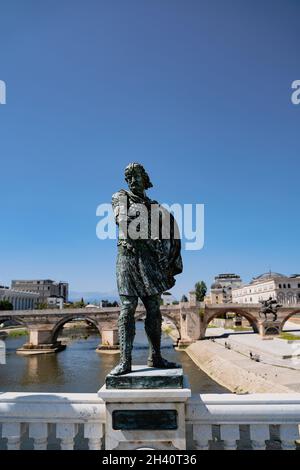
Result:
[[140, 416]]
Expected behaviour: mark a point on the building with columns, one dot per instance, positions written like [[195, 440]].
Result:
[[20, 300], [285, 289]]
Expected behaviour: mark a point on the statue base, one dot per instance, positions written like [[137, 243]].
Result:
[[268, 329], [145, 409], [143, 377]]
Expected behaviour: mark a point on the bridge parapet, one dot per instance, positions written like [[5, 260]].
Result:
[[190, 318], [28, 419]]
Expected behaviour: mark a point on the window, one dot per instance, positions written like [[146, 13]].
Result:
[[298, 286], [289, 286], [284, 286], [279, 286]]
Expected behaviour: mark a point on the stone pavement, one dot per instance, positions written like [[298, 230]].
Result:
[[274, 366]]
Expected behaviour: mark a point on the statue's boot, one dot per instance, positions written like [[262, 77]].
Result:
[[122, 368], [126, 336], [126, 342], [153, 331]]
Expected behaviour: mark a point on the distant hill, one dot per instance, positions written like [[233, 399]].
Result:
[[91, 297]]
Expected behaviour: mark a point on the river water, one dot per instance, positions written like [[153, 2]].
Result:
[[79, 368]]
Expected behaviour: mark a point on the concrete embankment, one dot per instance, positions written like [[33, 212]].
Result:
[[238, 373]]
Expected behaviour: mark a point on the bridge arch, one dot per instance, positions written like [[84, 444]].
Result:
[[60, 324], [14, 318], [239, 311], [167, 315], [289, 315]]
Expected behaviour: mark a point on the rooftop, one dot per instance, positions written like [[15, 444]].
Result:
[[269, 275]]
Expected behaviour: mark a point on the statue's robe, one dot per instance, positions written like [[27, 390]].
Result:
[[146, 266]]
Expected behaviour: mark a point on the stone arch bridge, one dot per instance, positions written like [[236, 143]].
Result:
[[45, 325], [251, 313], [190, 320]]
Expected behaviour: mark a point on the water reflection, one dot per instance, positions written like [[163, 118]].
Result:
[[80, 369]]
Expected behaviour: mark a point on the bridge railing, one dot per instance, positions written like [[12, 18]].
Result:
[[217, 421], [53, 420], [257, 421]]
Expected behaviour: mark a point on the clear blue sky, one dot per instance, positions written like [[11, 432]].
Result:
[[197, 90]]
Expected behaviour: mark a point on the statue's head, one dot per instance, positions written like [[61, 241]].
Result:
[[137, 178]]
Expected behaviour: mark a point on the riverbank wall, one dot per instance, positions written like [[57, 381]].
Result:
[[236, 372]]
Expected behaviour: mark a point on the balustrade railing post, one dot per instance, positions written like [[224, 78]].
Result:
[[259, 434], [39, 433], [66, 432], [230, 433], [202, 434], [288, 433], [13, 433], [94, 433]]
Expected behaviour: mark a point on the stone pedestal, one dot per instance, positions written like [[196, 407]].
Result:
[[145, 409], [268, 329]]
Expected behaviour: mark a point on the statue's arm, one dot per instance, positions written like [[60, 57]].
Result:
[[119, 204], [116, 207]]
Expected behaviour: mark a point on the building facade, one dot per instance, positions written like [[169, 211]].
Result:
[[285, 289], [20, 300], [55, 302], [44, 287], [221, 288]]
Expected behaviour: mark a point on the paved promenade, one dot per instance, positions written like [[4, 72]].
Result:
[[227, 360]]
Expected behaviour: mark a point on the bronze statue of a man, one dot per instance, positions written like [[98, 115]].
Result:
[[147, 261]]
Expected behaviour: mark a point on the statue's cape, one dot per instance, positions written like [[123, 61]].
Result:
[[167, 249]]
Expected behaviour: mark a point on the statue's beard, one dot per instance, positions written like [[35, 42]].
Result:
[[137, 191]]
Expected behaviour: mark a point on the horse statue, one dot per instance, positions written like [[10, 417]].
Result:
[[269, 306]]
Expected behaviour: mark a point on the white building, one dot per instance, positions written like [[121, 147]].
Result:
[[221, 288], [20, 300], [55, 302], [285, 289]]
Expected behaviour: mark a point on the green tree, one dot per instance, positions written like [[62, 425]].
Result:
[[42, 306], [184, 298], [6, 305], [79, 304], [200, 290]]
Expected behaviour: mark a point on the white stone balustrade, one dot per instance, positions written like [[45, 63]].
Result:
[[258, 412], [33, 414], [214, 418]]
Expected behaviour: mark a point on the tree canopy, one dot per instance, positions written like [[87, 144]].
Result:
[[200, 290]]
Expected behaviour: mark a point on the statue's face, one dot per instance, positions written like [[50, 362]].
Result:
[[136, 182]]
